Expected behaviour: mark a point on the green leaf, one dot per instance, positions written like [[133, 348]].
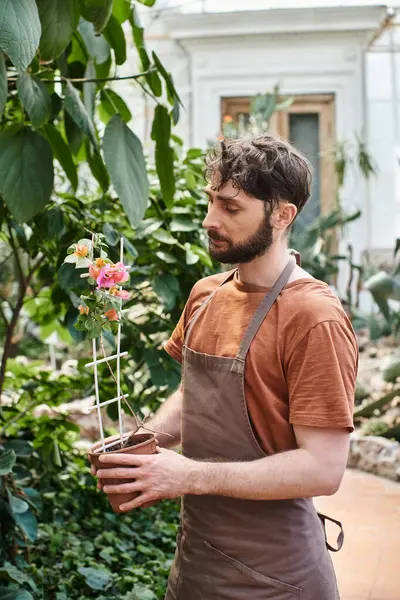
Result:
[[89, 88], [147, 227], [70, 278], [20, 447], [161, 134], [111, 104], [115, 36], [130, 248], [18, 505], [183, 224], [7, 461], [155, 83], [76, 109], [3, 84], [103, 70], [59, 19], [19, 31], [166, 257], [122, 10], [112, 236], [75, 136], [97, 12], [203, 255], [97, 167], [14, 594], [172, 93], [125, 162], [62, 153], [167, 289], [26, 171], [28, 523], [97, 46], [147, 2], [35, 99], [9, 572], [191, 257], [33, 497], [138, 38], [165, 237], [96, 579]]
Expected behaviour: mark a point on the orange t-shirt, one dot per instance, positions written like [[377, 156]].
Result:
[[302, 364]]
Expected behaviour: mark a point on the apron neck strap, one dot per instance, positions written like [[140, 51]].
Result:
[[260, 314]]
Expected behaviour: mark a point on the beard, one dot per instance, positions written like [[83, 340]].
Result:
[[243, 252]]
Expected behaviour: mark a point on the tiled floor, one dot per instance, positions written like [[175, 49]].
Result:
[[368, 566]]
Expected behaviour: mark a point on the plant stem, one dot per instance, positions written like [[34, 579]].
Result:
[[92, 79]]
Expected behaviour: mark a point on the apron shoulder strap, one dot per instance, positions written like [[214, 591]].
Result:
[[260, 314]]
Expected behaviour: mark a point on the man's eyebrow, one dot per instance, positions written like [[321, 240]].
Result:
[[222, 197]]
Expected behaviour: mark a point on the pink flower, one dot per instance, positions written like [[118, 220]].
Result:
[[122, 294], [111, 314], [110, 275], [94, 271], [120, 273]]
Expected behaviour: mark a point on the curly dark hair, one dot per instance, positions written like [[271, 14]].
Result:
[[264, 167]]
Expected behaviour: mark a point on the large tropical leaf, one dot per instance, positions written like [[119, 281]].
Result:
[[26, 171], [76, 109], [19, 31], [96, 45], [97, 12], [161, 134], [59, 18], [124, 158], [115, 36], [62, 153], [3, 84], [35, 99]]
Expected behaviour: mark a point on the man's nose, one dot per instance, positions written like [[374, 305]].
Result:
[[212, 220]]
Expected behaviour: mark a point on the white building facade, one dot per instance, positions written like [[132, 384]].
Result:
[[339, 61]]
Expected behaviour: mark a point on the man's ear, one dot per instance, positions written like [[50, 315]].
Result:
[[284, 215]]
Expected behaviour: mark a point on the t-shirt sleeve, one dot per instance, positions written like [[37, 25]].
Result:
[[321, 376]]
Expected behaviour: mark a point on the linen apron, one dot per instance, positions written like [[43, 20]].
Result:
[[229, 548]]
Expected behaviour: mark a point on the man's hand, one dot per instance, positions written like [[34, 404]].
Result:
[[166, 474]]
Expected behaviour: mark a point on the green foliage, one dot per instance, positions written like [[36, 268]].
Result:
[[26, 163], [20, 31], [81, 546], [316, 245], [385, 286], [124, 159]]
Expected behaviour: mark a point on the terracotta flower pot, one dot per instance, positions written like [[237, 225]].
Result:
[[145, 443]]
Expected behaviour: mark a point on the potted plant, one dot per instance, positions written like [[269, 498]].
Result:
[[100, 310]]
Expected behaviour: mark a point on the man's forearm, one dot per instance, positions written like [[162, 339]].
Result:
[[293, 474], [166, 423]]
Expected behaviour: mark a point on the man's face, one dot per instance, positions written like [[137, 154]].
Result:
[[238, 228]]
